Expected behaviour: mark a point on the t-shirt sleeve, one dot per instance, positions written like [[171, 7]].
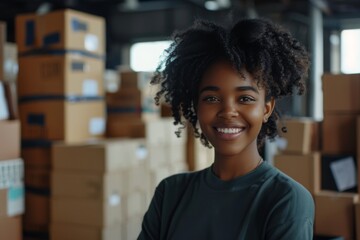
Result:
[[299, 229], [292, 217], [150, 228]]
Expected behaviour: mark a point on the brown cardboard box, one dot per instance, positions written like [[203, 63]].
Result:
[[341, 93], [86, 211], [132, 79], [124, 99], [36, 154], [124, 105], [99, 185], [305, 169], [85, 185], [11, 228], [302, 136], [116, 127], [335, 214], [157, 132], [37, 205], [339, 134], [60, 74], [61, 29], [99, 156], [141, 81], [9, 139], [37, 178], [70, 121], [61, 231]]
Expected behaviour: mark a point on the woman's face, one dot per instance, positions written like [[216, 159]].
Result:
[[231, 109]]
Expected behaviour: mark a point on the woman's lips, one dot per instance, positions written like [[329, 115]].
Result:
[[229, 133]]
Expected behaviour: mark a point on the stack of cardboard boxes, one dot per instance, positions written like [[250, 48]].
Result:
[[98, 190], [61, 97], [11, 165], [331, 173], [338, 164], [11, 176], [299, 155], [132, 112]]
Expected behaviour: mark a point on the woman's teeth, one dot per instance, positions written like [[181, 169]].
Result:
[[228, 130]]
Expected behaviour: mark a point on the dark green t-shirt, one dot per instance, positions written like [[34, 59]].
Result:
[[263, 204]]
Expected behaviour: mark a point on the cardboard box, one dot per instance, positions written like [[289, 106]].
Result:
[[85, 185], [61, 231], [9, 139], [116, 127], [37, 205], [124, 105], [133, 80], [302, 136], [133, 204], [141, 81], [67, 120], [341, 93], [304, 169], [99, 156], [36, 154], [335, 214], [86, 211], [99, 185], [11, 228], [59, 30], [339, 134], [37, 178], [67, 74]]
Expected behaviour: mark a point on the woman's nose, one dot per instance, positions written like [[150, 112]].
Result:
[[228, 110]]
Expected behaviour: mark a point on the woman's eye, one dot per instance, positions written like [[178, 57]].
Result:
[[246, 99], [210, 99]]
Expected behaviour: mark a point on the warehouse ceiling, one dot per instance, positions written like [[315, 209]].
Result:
[[134, 20]]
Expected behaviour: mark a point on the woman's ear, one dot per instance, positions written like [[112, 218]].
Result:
[[269, 108]]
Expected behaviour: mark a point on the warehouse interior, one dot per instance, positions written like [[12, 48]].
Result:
[[83, 145]]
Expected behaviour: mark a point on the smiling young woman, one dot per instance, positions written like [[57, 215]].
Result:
[[224, 83]]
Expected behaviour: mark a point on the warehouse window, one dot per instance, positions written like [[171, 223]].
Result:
[[145, 56], [350, 51]]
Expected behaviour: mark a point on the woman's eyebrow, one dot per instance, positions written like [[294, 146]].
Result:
[[209, 88], [240, 88], [247, 88]]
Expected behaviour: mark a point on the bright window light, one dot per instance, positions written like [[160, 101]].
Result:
[[350, 51], [145, 56]]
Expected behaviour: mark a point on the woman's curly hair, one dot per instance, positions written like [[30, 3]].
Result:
[[278, 62]]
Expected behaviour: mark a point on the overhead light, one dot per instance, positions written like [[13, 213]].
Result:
[[212, 5]]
